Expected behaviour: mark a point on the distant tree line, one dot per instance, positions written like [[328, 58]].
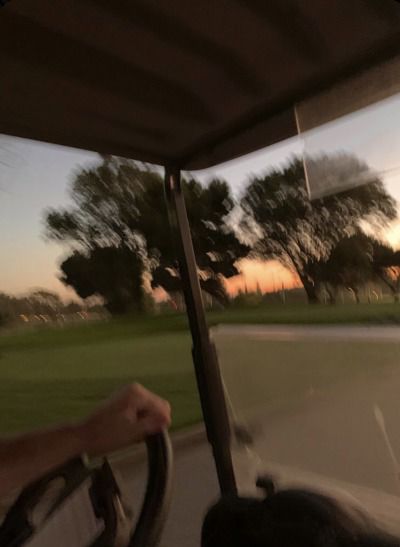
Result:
[[120, 244], [37, 303]]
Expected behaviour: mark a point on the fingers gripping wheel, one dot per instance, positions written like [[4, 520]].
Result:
[[103, 495]]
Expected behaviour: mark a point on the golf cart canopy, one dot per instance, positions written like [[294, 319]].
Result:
[[178, 83]]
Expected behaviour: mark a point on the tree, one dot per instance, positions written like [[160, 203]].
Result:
[[6, 308], [356, 260], [40, 302], [45, 302], [115, 273], [302, 234], [386, 267], [348, 266], [216, 245], [119, 206]]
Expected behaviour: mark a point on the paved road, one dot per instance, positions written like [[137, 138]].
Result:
[[337, 434], [331, 440], [195, 487]]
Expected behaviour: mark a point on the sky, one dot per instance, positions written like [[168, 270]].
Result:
[[35, 176]]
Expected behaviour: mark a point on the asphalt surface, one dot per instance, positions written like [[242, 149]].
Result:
[[194, 489]]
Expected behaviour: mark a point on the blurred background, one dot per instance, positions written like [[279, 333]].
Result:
[[298, 253]]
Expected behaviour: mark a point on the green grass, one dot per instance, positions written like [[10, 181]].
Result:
[[53, 374], [48, 383]]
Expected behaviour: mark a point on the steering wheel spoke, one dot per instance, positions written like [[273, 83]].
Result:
[[96, 492]]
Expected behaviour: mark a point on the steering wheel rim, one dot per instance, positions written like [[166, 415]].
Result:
[[16, 528], [157, 498]]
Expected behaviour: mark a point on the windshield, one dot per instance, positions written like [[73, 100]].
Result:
[[314, 395], [320, 403]]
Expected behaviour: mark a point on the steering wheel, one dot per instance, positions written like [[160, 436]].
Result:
[[101, 488]]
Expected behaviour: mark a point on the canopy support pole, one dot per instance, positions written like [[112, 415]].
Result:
[[203, 351]]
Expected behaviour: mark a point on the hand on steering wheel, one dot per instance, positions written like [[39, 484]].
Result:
[[131, 415], [18, 530]]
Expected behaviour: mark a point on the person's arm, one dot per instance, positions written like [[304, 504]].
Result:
[[128, 417]]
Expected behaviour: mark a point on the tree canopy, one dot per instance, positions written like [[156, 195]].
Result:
[[359, 259], [302, 234], [349, 265], [115, 273], [39, 302], [118, 233]]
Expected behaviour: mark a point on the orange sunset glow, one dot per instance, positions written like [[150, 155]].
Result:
[[267, 276]]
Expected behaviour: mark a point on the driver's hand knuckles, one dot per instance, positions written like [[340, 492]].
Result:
[[139, 403]]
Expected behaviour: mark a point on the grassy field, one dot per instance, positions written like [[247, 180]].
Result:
[[49, 382], [48, 375]]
